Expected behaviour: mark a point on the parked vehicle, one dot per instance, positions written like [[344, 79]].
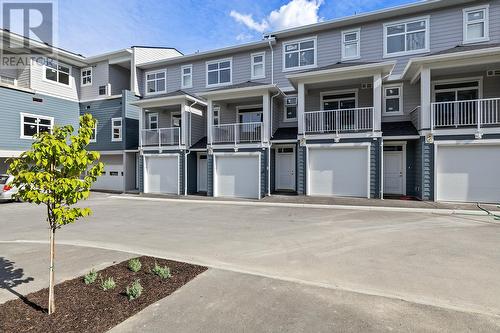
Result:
[[7, 190]]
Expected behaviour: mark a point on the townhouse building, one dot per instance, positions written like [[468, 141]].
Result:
[[397, 102], [401, 102]]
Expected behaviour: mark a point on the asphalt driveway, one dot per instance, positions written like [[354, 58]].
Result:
[[428, 262]]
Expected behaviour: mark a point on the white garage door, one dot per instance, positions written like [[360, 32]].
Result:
[[161, 174], [237, 175], [468, 173], [112, 179], [338, 171]]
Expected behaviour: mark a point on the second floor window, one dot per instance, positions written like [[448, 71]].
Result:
[[350, 44], [216, 110], [299, 54], [57, 72], [32, 124], [103, 90], [407, 37], [93, 137], [258, 65], [86, 76], [393, 100], [290, 108], [219, 72], [153, 120], [116, 129], [156, 82], [187, 76], [476, 22]]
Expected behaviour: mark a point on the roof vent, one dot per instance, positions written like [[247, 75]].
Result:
[[366, 85], [493, 72]]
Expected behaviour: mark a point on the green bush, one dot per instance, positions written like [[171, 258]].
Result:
[[108, 284], [90, 277], [163, 272], [134, 265], [134, 290]]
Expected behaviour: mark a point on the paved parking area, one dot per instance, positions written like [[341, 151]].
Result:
[[430, 261]]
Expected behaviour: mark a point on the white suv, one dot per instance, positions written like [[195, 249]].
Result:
[[7, 190]]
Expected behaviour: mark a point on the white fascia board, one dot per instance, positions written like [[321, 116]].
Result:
[[165, 101], [253, 89], [208, 54], [110, 55]]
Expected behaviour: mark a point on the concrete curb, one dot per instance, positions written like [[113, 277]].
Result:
[[440, 211]]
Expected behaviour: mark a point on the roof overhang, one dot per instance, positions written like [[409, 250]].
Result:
[[114, 57], [231, 93], [342, 73], [456, 59], [167, 101], [382, 14], [208, 54]]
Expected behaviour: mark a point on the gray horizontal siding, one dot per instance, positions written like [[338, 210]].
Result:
[[100, 77], [119, 79], [198, 124], [14, 102]]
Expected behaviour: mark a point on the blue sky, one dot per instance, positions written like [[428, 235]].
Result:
[[91, 27]]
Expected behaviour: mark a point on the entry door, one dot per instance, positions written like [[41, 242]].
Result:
[[394, 170], [285, 168], [202, 173]]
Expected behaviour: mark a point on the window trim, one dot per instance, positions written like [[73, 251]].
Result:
[[14, 80], [338, 92], [24, 114], [190, 66], [486, 21], [400, 96], [70, 76], [252, 64], [214, 116], [478, 79], [285, 119], [172, 114], [95, 132], [164, 70], [426, 49], [342, 41], [230, 59], [150, 114], [290, 69], [250, 106], [113, 127], [91, 77]]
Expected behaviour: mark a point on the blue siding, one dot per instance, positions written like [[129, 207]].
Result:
[[131, 129], [13, 102], [192, 173], [411, 169]]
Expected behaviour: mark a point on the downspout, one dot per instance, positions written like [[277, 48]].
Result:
[[188, 151]]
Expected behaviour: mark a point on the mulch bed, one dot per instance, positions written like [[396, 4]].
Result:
[[87, 308]]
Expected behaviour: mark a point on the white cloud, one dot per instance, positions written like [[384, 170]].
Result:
[[243, 37], [294, 13]]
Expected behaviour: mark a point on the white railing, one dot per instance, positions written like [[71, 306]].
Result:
[[337, 121], [477, 112], [160, 137], [237, 133]]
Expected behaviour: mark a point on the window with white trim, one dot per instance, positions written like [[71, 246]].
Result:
[[216, 114], [93, 137], [407, 37], [153, 120], [299, 54], [476, 24], [156, 82], [290, 108], [86, 76], [7, 80], [116, 129], [351, 44], [57, 72], [33, 124], [393, 100], [258, 65], [219, 72], [103, 90], [187, 76]]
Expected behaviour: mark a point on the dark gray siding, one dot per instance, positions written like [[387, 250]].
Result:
[[192, 173], [427, 149], [119, 79], [13, 102], [411, 168], [301, 170], [131, 130]]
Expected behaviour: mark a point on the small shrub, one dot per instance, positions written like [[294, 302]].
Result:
[[134, 265], [134, 290], [163, 272], [90, 277], [108, 284]]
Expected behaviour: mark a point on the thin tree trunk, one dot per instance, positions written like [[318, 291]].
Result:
[[52, 302]]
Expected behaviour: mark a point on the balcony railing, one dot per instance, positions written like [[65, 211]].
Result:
[[472, 113], [338, 121], [237, 133], [160, 137]]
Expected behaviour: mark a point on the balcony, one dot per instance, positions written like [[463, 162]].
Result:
[[237, 133], [478, 113], [161, 137], [339, 121]]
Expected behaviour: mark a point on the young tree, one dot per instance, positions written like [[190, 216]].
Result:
[[57, 172]]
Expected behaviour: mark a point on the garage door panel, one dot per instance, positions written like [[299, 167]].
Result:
[[161, 174], [468, 173], [237, 176], [112, 179], [338, 171]]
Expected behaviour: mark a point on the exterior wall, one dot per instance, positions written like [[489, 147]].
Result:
[[192, 173], [24, 77], [13, 102], [490, 87], [148, 54], [411, 99], [40, 85], [198, 123], [427, 167], [100, 77], [119, 79], [313, 97], [301, 170], [411, 169], [131, 115]]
